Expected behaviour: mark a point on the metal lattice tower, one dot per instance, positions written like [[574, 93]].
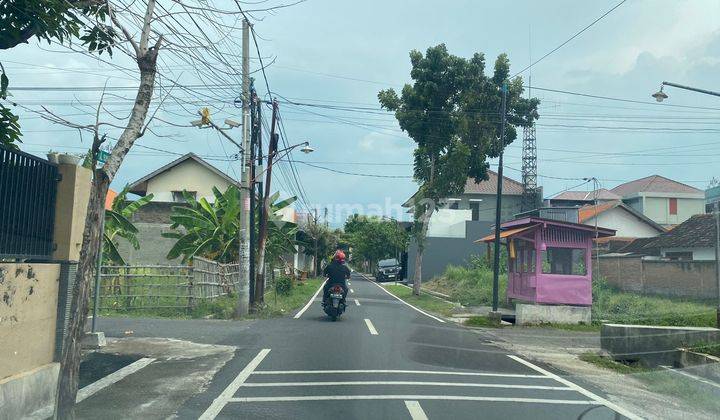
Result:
[[529, 169]]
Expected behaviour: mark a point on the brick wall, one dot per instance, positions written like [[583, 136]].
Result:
[[695, 279]]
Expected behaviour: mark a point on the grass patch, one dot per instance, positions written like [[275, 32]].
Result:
[[471, 286], [630, 308], [712, 349], [595, 327], [481, 321], [661, 381], [281, 304], [276, 304], [424, 301]]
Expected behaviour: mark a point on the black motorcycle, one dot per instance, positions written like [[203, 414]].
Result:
[[334, 303]]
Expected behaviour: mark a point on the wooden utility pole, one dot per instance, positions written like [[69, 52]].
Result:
[[272, 151]]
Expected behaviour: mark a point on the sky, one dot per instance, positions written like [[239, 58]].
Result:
[[333, 52]]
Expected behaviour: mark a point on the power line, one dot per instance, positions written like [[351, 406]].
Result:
[[571, 38]]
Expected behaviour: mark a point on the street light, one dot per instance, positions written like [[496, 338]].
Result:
[[660, 96]]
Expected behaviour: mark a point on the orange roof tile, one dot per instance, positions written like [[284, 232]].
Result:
[[111, 194], [587, 212]]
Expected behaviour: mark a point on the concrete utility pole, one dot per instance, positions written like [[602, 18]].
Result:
[[243, 304], [317, 263], [498, 208], [716, 213]]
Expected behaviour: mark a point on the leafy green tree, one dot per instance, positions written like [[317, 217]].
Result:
[[48, 20], [281, 234], [319, 240], [451, 110], [118, 225], [374, 238]]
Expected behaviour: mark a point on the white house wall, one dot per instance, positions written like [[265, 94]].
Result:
[[625, 224], [658, 209], [188, 175], [447, 223], [699, 254]]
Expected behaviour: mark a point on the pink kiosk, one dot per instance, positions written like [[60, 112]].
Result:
[[549, 263]]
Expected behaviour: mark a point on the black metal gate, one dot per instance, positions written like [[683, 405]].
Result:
[[28, 187]]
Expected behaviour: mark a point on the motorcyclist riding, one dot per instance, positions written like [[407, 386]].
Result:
[[337, 273]]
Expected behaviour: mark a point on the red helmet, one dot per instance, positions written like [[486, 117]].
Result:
[[339, 256]]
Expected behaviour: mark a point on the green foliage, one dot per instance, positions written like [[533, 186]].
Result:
[[327, 239], [48, 20], [482, 322], [451, 112], [118, 225], [283, 285], [631, 308], [424, 301], [208, 230], [281, 234], [211, 230], [374, 238], [469, 285]]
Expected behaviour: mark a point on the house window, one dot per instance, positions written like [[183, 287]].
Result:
[[569, 261], [178, 196], [475, 207], [673, 206], [679, 255]]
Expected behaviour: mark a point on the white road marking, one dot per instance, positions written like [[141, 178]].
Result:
[[371, 327], [412, 383], [312, 299], [417, 309], [691, 376], [357, 302], [226, 396], [112, 378], [419, 372], [412, 397], [585, 392], [352, 291], [416, 412]]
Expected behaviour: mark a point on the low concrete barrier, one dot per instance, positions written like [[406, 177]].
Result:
[[528, 314], [653, 345]]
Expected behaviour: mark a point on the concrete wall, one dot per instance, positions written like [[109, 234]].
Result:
[[441, 252], [28, 314], [70, 209], [153, 246], [625, 224], [188, 175], [447, 223], [695, 279]]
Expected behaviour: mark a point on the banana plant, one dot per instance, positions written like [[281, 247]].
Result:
[[204, 229], [118, 225]]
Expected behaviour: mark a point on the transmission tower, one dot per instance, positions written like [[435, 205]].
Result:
[[529, 169]]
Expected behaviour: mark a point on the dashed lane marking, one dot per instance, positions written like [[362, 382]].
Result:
[[416, 412], [226, 396], [357, 302], [352, 291], [371, 327]]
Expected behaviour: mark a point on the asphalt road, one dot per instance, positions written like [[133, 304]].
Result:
[[382, 359]]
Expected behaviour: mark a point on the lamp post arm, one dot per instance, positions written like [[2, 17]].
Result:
[[707, 92]]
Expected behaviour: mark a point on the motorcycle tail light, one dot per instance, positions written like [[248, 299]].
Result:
[[336, 289]]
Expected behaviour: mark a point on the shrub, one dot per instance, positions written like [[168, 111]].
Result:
[[469, 285], [283, 285]]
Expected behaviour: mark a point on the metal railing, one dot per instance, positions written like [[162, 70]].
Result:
[[28, 189]]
